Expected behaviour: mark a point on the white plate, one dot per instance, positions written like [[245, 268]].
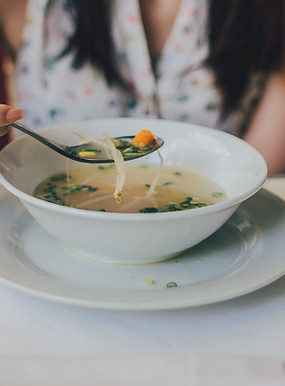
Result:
[[245, 254]]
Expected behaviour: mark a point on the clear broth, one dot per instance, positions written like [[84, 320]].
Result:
[[91, 187]]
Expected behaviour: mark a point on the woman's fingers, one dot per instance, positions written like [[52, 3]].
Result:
[[14, 114], [8, 114]]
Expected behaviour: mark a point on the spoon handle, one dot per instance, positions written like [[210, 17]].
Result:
[[51, 144]]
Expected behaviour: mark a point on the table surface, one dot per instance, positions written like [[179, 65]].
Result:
[[235, 342]]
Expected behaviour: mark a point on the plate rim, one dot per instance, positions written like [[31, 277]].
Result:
[[175, 301]]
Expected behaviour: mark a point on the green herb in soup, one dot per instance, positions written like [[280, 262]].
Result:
[[91, 187]]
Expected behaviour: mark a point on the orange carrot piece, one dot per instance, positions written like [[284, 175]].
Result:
[[143, 138]]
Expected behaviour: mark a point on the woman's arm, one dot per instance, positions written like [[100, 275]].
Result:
[[12, 19], [267, 130]]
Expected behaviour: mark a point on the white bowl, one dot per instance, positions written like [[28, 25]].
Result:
[[136, 237]]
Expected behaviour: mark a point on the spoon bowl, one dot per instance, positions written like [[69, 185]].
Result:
[[91, 152]]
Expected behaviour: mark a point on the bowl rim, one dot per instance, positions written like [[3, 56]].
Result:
[[209, 209]]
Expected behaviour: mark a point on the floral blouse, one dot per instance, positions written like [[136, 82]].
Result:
[[181, 88]]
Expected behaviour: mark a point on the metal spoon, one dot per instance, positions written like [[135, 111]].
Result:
[[128, 151]]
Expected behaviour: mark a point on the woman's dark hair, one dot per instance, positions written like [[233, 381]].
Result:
[[245, 36], [92, 41]]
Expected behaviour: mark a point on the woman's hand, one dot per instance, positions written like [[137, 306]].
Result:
[[8, 114]]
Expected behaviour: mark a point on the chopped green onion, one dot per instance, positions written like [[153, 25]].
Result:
[[188, 203], [93, 150], [171, 284], [91, 188], [171, 207], [149, 210], [60, 177], [102, 167], [73, 188]]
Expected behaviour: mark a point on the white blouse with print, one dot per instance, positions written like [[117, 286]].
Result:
[[182, 88]]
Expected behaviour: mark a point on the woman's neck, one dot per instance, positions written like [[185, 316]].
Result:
[[158, 17]]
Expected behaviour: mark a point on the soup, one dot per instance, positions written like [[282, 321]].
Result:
[[91, 187]]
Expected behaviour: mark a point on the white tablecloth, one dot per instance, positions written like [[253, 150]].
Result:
[[236, 342]]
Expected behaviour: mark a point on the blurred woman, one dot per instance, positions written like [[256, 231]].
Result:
[[215, 63]]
